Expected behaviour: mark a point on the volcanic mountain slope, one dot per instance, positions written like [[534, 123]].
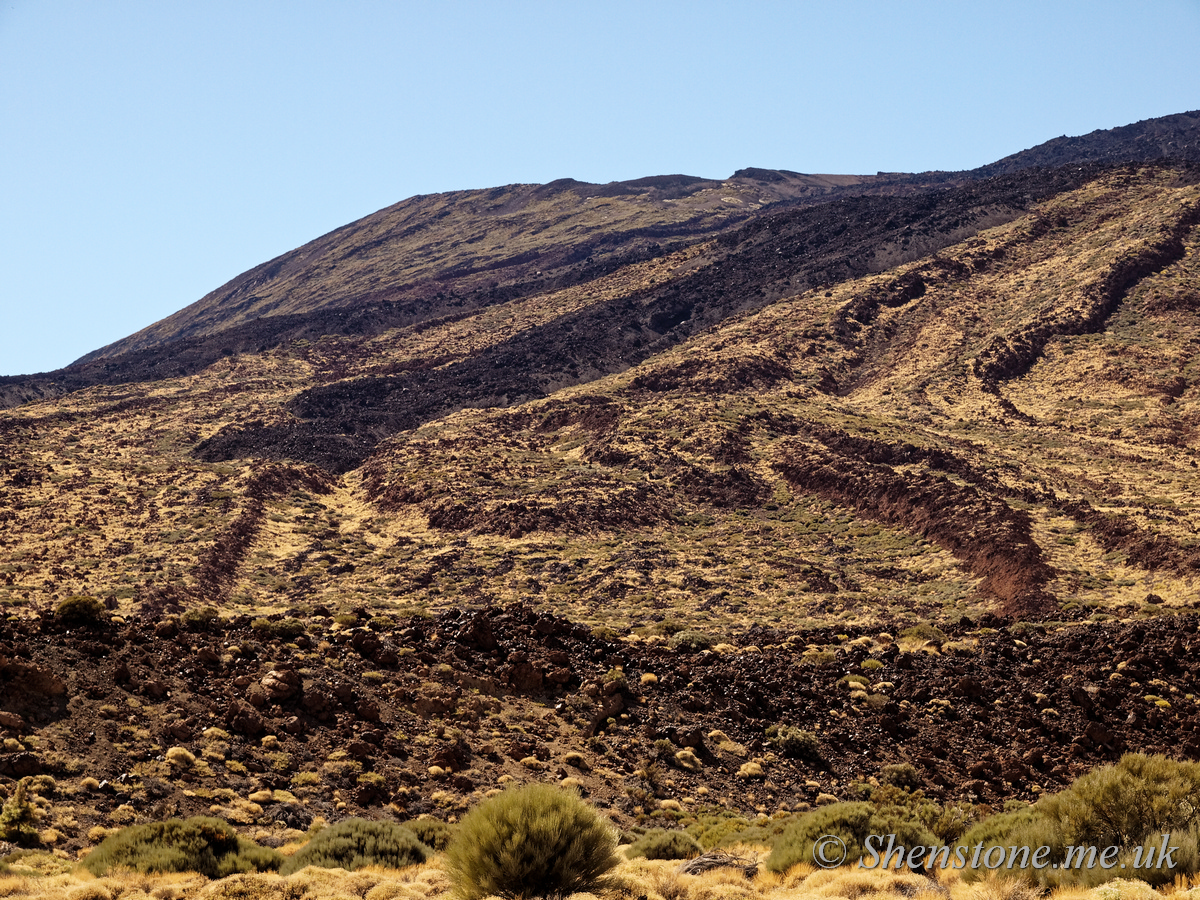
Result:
[[1005, 425], [438, 256], [1167, 137], [919, 471], [466, 243]]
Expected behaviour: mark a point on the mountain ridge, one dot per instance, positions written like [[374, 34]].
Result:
[[1177, 136]]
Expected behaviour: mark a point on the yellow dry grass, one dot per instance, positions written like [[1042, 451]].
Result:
[[654, 880]]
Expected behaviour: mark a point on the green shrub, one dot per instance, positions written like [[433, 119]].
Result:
[[924, 632], [534, 840], [19, 817], [81, 611], [951, 821], [617, 676], [1138, 797], [902, 775], [1128, 805], [354, 843], [664, 749], [761, 831], [285, 629], [792, 741], [946, 822], [665, 845], [692, 641], [209, 846], [202, 619], [717, 829], [666, 628], [1000, 828], [432, 832], [850, 822]]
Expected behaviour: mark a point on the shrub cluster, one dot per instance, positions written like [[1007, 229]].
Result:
[[616, 679], [285, 629], [202, 618], [536, 839], [729, 831], [924, 631], [660, 844], [792, 741], [81, 611], [19, 817], [209, 846], [902, 775], [946, 822], [692, 641], [1128, 805], [42, 862], [664, 749], [852, 822], [355, 843], [434, 833]]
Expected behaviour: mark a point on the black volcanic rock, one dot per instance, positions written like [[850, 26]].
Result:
[[1168, 137]]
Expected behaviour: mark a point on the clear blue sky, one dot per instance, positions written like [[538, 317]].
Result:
[[153, 150]]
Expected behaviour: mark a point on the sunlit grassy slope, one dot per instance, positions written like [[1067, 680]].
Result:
[[653, 879], [1008, 424]]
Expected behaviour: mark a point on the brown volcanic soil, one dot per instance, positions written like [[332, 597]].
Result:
[[988, 713]]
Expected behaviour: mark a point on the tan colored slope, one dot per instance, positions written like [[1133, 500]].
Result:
[[104, 497], [908, 378], [690, 486]]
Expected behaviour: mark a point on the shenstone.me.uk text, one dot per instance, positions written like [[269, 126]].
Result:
[[882, 851]]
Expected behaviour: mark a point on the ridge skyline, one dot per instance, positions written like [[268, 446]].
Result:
[[1176, 135]]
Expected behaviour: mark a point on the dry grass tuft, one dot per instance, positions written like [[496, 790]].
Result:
[[853, 883], [1000, 889], [653, 879]]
